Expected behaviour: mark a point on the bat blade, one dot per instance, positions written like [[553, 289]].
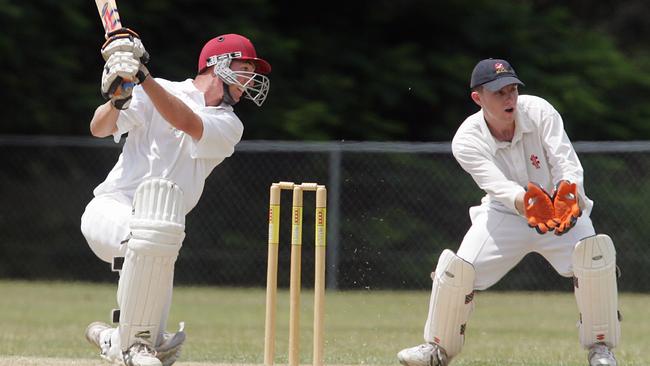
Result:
[[109, 15], [110, 18]]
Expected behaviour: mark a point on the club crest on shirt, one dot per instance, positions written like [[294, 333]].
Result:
[[535, 161]]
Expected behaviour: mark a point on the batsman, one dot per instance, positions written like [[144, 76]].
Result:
[[516, 150], [178, 132]]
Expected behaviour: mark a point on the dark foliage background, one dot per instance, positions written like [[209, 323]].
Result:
[[360, 70]]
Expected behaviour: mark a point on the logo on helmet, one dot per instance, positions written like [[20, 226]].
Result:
[[212, 60]]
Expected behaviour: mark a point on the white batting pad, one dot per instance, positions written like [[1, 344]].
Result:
[[157, 231], [594, 268], [451, 303]]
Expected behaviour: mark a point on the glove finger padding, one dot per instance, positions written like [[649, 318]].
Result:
[[538, 208], [565, 203], [124, 40], [120, 67]]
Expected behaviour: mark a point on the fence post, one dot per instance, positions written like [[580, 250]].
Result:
[[333, 217]]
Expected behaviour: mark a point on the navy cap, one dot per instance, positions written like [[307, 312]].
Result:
[[493, 74]]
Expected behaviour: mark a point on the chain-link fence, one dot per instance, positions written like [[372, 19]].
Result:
[[392, 209]]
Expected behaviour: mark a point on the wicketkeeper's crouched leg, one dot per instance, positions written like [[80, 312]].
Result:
[[450, 307], [451, 303], [594, 268]]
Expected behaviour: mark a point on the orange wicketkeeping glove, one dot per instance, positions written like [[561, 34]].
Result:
[[565, 202], [538, 208]]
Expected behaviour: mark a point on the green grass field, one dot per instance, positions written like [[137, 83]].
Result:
[[42, 324]]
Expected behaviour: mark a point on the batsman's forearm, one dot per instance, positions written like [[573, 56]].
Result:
[[104, 121], [172, 109]]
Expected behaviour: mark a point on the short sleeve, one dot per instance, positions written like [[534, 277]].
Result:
[[222, 130]]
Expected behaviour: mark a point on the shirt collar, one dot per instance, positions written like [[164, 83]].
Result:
[[487, 136], [198, 96], [522, 125]]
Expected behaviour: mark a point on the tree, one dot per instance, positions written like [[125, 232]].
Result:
[[377, 71]]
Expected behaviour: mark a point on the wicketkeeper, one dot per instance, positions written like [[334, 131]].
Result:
[[178, 132], [516, 150]]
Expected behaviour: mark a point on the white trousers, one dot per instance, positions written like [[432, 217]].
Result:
[[105, 225], [497, 241]]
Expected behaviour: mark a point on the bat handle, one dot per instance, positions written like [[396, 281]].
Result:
[[128, 84], [120, 84]]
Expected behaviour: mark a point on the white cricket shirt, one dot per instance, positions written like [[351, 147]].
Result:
[[539, 152], [155, 149]]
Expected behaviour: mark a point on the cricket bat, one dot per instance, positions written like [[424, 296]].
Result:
[[109, 15], [110, 18]]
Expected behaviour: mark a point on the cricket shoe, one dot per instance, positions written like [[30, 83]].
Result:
[[93, 333], [99, 335], [423, 355], [600, 355], [169, 348], [140, 354]]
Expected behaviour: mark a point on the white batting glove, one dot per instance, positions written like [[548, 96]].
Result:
[[120, 67], [124, 40], [119, 77]]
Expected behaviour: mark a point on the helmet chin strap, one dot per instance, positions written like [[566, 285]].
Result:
[[222, 64], [227, 97]]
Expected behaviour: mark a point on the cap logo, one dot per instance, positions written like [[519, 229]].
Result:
[[499, 68]]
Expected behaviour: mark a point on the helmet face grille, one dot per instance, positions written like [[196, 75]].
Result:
[[255, 86]]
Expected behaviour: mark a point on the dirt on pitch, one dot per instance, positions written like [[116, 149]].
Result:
[[35, 361]]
